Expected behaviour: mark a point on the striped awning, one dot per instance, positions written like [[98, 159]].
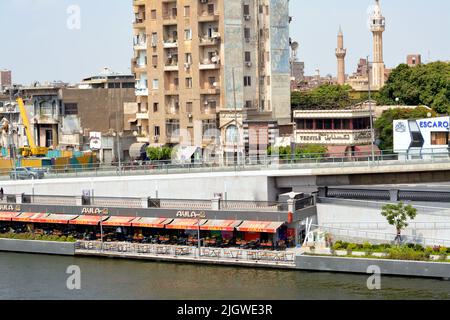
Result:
[[88, 220], [31, 217], [185, 224], [117, 221], [58, 218], [7, 216], [157, 223], [221, 225], [260, 226]]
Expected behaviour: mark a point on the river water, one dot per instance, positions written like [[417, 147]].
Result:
[[27, 276]]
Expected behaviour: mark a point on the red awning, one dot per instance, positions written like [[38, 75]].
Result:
[[31, 217], [221, 225], [7, 216], [337, 151], [158, 223], [364, 151], [58, 218], [185, 224], [87, 220], [260, 226], [116, 221]]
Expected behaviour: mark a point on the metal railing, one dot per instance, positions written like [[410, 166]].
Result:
[[206, 253], [378, 237], [254, 205], [281, 162]]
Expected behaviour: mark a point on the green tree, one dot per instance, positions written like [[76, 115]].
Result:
[[427, 84], [310, 151], [384, 124], [324, 97], [158, 153], [397, 215]]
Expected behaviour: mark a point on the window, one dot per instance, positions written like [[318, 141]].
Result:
[[439, 138], [187, 11], [157, 131], [71, 108], [247, 81], [211, 8], [248, 56], [346, 124], [154, 39], [155, 61], [155, 107], [320, 124], [232, 134], [246, 10], [248, 104], [188, 107], [153, 15], [188, 57], [172, 128], [328, 124], [337, 124], [187, 34], [247, 33], [188, 83], [209, 128], [155, 84]]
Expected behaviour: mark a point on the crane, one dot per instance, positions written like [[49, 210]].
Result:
[[32, 149]]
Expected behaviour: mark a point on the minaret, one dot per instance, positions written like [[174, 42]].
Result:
[[340, 54], [377, 26]]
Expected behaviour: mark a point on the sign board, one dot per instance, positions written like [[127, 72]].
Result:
[[95, 140], [430, 134]]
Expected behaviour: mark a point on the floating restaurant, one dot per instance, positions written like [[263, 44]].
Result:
[[217, 223]]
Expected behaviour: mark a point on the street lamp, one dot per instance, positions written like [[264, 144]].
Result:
[[372, 134]]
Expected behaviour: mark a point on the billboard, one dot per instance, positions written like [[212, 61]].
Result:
[[423, 135], [95, 140]]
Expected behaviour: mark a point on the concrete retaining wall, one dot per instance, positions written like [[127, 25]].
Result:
[[34, 246], [387, 267]]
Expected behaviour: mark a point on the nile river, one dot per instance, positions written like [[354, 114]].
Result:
[[26, 276]]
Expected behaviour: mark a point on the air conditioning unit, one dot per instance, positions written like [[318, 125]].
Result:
[[246, 17], [203, 1], [154, 44], [248, 64], [155, 138], [215, 84], [187, 65], [247, 39], [215, 35], [190, 115]]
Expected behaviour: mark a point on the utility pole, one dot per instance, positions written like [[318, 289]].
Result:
[[236, 161], [372, 133]]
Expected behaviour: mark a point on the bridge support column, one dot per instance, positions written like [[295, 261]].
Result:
[[393, 195]]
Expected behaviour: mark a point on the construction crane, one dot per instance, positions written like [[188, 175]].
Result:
[[32, 149]]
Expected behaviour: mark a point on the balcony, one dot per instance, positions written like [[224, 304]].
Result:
[[139, 23], [140, 45], [209, 66], [142, 116], [212, 90], [171, 65], [208, 41], [169, 19], [170, 43], [208, 17], [139, 2], [141, 92]]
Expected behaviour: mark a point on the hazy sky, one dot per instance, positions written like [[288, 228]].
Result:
[[38, 45]]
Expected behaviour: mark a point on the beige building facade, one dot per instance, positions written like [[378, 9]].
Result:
[[199, 64]]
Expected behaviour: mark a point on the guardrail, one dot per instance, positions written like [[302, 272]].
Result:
[[281, 162], [371, 236], [206, 253]]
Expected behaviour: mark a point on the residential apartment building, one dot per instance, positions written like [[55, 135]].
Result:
[[5, 79], [200, 64]]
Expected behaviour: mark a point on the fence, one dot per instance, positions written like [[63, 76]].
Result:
[[356, 235], [292, 161], [154, 250]]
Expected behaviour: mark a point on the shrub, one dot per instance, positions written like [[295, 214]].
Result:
[[367, 248], [406, 253], [350, 248], [337, 246], [443, 253]]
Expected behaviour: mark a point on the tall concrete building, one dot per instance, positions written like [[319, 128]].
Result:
[[340, 55], [377, 26], [200, 65]]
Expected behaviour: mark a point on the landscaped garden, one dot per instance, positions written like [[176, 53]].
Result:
[[31, 236]]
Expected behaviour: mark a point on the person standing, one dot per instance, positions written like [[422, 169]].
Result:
[[1, 193]]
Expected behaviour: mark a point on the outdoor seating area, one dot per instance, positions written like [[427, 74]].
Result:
[[247, 235]]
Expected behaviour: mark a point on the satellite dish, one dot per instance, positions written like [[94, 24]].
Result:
[[294, 45]]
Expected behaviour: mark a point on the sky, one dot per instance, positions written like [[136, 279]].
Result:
[[44, 41]]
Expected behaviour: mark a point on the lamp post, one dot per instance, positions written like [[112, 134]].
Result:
[[372, 134], [198, 237]]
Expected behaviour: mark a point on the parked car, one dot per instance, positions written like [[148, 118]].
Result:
[[23, 173]]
